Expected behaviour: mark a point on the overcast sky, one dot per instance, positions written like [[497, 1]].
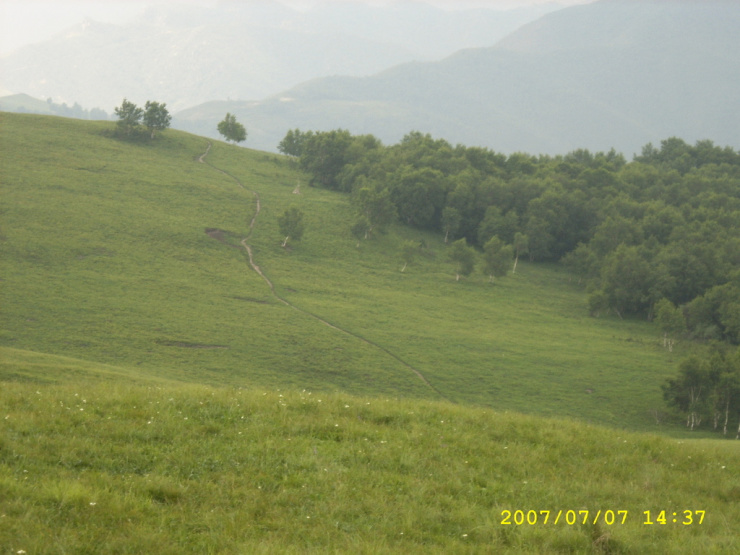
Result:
[[28, 21]]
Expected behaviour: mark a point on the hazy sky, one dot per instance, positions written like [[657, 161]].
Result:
[[27, 21]]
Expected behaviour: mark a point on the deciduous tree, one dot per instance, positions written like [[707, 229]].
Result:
[[231, 129], [156, 117], [671, 322], [291, 224], [129, 117], [496, 258], [324, 156], [497, 224], [409, 250], [360, 229], [293, 142], [450, 221], [688, 392], [521, 246], [419, 196], [375, 205], [463, 257], [707, 388]]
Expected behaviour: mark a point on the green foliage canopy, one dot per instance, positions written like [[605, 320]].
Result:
[[231, 129], [293, 142], [291, 224], [129, 117], [156, 117], [666, 225], [463, 257], [707, 390], [496, 258]]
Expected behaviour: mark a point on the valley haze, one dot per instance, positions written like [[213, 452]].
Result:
[[523, 76]]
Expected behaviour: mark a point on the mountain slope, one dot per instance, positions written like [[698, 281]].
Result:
[[615, 73], [131, 255]]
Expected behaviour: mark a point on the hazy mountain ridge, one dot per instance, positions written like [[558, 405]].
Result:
[[614, 73], [186, 55]]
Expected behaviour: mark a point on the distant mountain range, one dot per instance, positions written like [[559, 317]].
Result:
[[609, 74], [615, 73], [187, 54]]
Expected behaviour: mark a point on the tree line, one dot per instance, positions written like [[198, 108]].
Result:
[[657, 237], [662, 227], [707, 390]]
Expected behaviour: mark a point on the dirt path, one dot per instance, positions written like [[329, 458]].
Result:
[[256, 268]]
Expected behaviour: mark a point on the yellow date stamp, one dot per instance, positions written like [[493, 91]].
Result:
[[609, 517], [569, 517]]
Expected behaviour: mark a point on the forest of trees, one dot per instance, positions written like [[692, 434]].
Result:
[[660, 233]]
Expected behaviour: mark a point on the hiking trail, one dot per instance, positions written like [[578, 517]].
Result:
[[256, 268]]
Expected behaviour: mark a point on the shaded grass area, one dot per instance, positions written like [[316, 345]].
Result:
[[119, 468]]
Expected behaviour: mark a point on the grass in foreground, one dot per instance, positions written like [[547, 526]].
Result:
[[110, 467]]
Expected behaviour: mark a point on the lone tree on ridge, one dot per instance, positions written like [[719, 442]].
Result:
[[231, 129]]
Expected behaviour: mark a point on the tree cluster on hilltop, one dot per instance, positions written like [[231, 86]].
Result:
[[154, 116], [664, 226]]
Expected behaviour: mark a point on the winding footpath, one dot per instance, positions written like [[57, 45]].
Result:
[[256, 268]]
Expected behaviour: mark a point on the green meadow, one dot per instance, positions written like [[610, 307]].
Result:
[[158, 395], [106, 258], [107, 466]]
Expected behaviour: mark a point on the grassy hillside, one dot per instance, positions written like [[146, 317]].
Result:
[[157, 396], [110, 467], [107, 259]]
